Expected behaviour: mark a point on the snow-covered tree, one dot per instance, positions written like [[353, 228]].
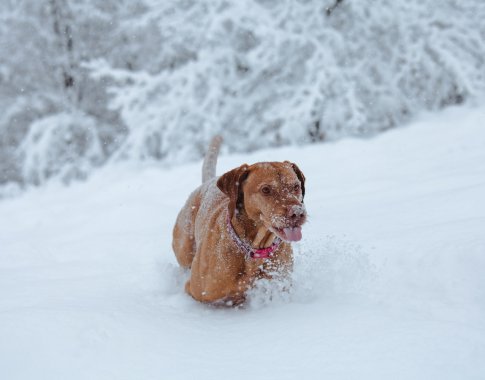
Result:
[[43, 46], [265, 73], [151, 80]]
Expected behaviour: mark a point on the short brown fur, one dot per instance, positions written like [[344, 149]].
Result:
[[220, 270]]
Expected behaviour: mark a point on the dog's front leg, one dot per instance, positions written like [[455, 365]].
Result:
[[252, 271]]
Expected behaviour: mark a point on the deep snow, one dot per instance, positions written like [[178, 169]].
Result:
[[389, 278]]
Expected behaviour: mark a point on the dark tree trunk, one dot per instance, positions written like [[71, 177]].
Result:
[[65, 42], [330, 9]]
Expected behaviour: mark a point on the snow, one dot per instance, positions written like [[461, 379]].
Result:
[[388, 279], [151, 80]]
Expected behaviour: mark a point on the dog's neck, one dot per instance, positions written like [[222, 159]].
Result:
[[252, 231]]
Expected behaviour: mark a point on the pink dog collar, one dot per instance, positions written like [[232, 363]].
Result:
[[261, 253]]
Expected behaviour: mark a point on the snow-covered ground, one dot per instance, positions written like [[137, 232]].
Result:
[[389, 280]]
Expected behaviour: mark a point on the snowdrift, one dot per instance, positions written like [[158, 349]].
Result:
[[388, 280]]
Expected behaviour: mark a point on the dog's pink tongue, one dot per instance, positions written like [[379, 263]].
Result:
[[292, 233]]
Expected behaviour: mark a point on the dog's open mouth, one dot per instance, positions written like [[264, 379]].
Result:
[[288, 233]]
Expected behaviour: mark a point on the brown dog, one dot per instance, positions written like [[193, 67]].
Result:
[[236, 229]]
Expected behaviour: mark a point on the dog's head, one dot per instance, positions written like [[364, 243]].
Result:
[[270, 193]]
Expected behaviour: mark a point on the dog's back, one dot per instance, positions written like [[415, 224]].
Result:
[[204, 198]]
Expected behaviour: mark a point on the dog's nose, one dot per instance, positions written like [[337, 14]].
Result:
[[296, 213]]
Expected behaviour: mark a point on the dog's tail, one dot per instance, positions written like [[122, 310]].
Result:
[[210, 160]]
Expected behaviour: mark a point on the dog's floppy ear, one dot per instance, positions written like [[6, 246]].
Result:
[[230, 184], [300, 176]]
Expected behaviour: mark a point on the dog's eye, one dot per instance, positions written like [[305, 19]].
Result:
[[296, 187], [266, 190]]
